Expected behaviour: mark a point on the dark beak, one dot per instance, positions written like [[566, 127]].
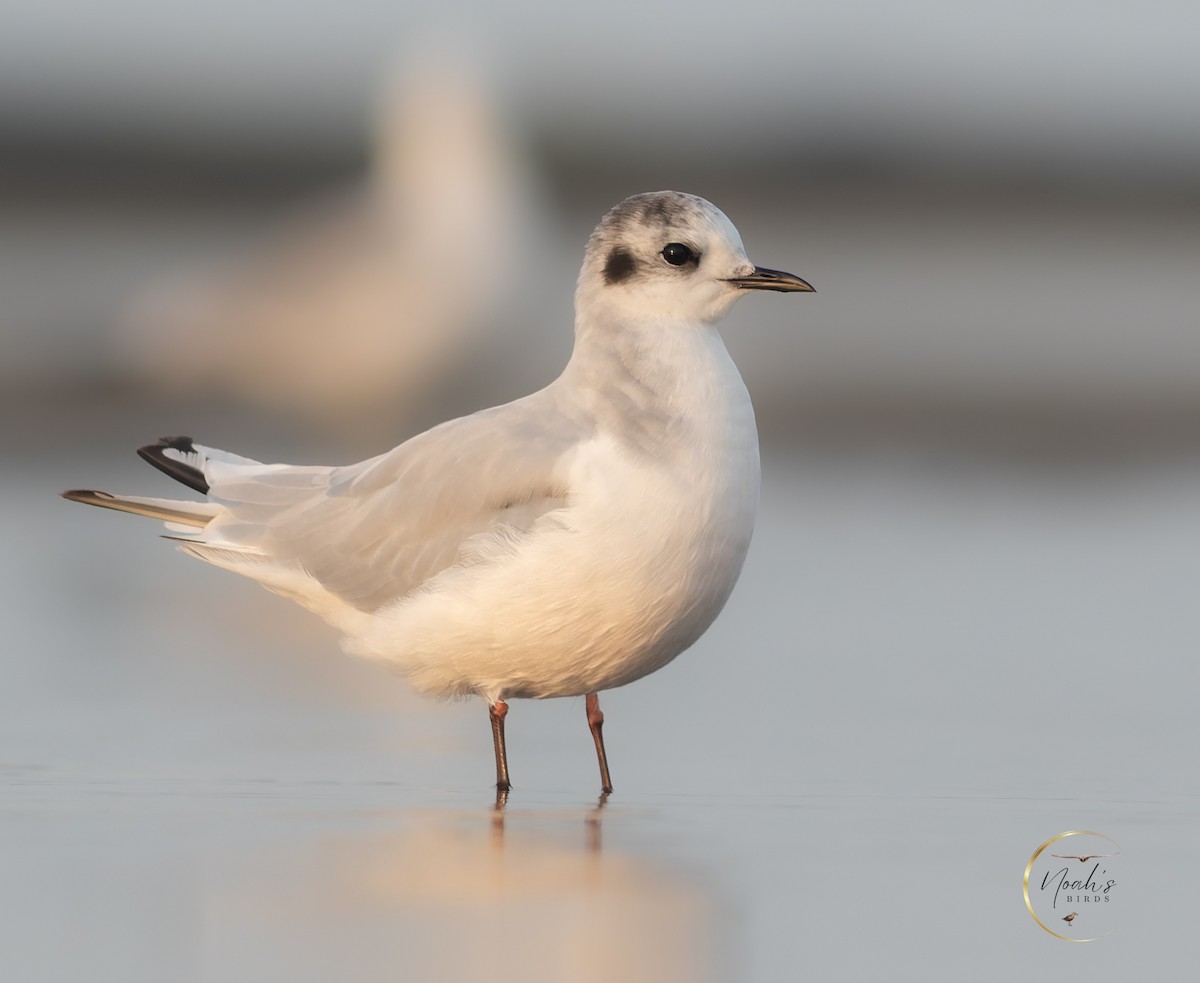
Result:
[[764, 279]]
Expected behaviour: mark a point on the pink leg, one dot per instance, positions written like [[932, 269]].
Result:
[[595, 719], [498, 711]]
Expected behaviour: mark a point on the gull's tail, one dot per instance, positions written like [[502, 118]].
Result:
[[191, 515], [181, 459], [198, 527]]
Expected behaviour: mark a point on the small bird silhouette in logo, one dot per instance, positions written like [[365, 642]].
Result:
[[1084, 858], [1069, 919]]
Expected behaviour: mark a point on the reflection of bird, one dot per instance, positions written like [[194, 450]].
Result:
[[1069, 919], [565, 543], [1082, 858], [360, 300]]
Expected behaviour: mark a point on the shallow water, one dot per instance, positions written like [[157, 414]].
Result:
[[932, 664]]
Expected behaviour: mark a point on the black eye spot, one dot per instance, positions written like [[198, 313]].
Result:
[[677, 254], [620, 266]]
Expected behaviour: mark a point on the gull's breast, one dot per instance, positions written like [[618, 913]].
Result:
[[612, 586], [677, 523]]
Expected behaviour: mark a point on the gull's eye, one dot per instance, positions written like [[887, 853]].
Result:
[[677, 254]]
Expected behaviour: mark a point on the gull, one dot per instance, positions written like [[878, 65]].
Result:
[[563, 544]]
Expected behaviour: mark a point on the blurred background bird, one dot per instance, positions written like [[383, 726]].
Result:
[[354, 304]]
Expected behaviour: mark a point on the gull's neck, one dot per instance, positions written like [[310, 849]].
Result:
[[659, 355], [653, 380]]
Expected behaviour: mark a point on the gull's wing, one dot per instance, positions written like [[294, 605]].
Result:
[[372, 532]]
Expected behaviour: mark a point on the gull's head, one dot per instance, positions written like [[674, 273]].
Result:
[[671, 255]]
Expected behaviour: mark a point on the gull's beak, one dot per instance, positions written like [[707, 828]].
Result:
[[764, 279]]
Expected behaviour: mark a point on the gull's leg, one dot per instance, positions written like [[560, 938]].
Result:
[[498, 711], [595, 725]]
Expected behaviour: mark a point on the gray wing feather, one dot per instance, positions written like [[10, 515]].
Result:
[[372, 532]]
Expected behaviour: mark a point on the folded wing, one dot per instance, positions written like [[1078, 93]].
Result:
[[373, 532]]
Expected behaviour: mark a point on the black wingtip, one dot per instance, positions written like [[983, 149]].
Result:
[[185, 474]]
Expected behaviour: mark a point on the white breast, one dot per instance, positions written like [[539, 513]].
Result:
[[622, 580]]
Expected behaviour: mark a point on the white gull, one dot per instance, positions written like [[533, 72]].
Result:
[[559, 545]]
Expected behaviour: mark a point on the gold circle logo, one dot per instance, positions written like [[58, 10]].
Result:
[[1072, 890]]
